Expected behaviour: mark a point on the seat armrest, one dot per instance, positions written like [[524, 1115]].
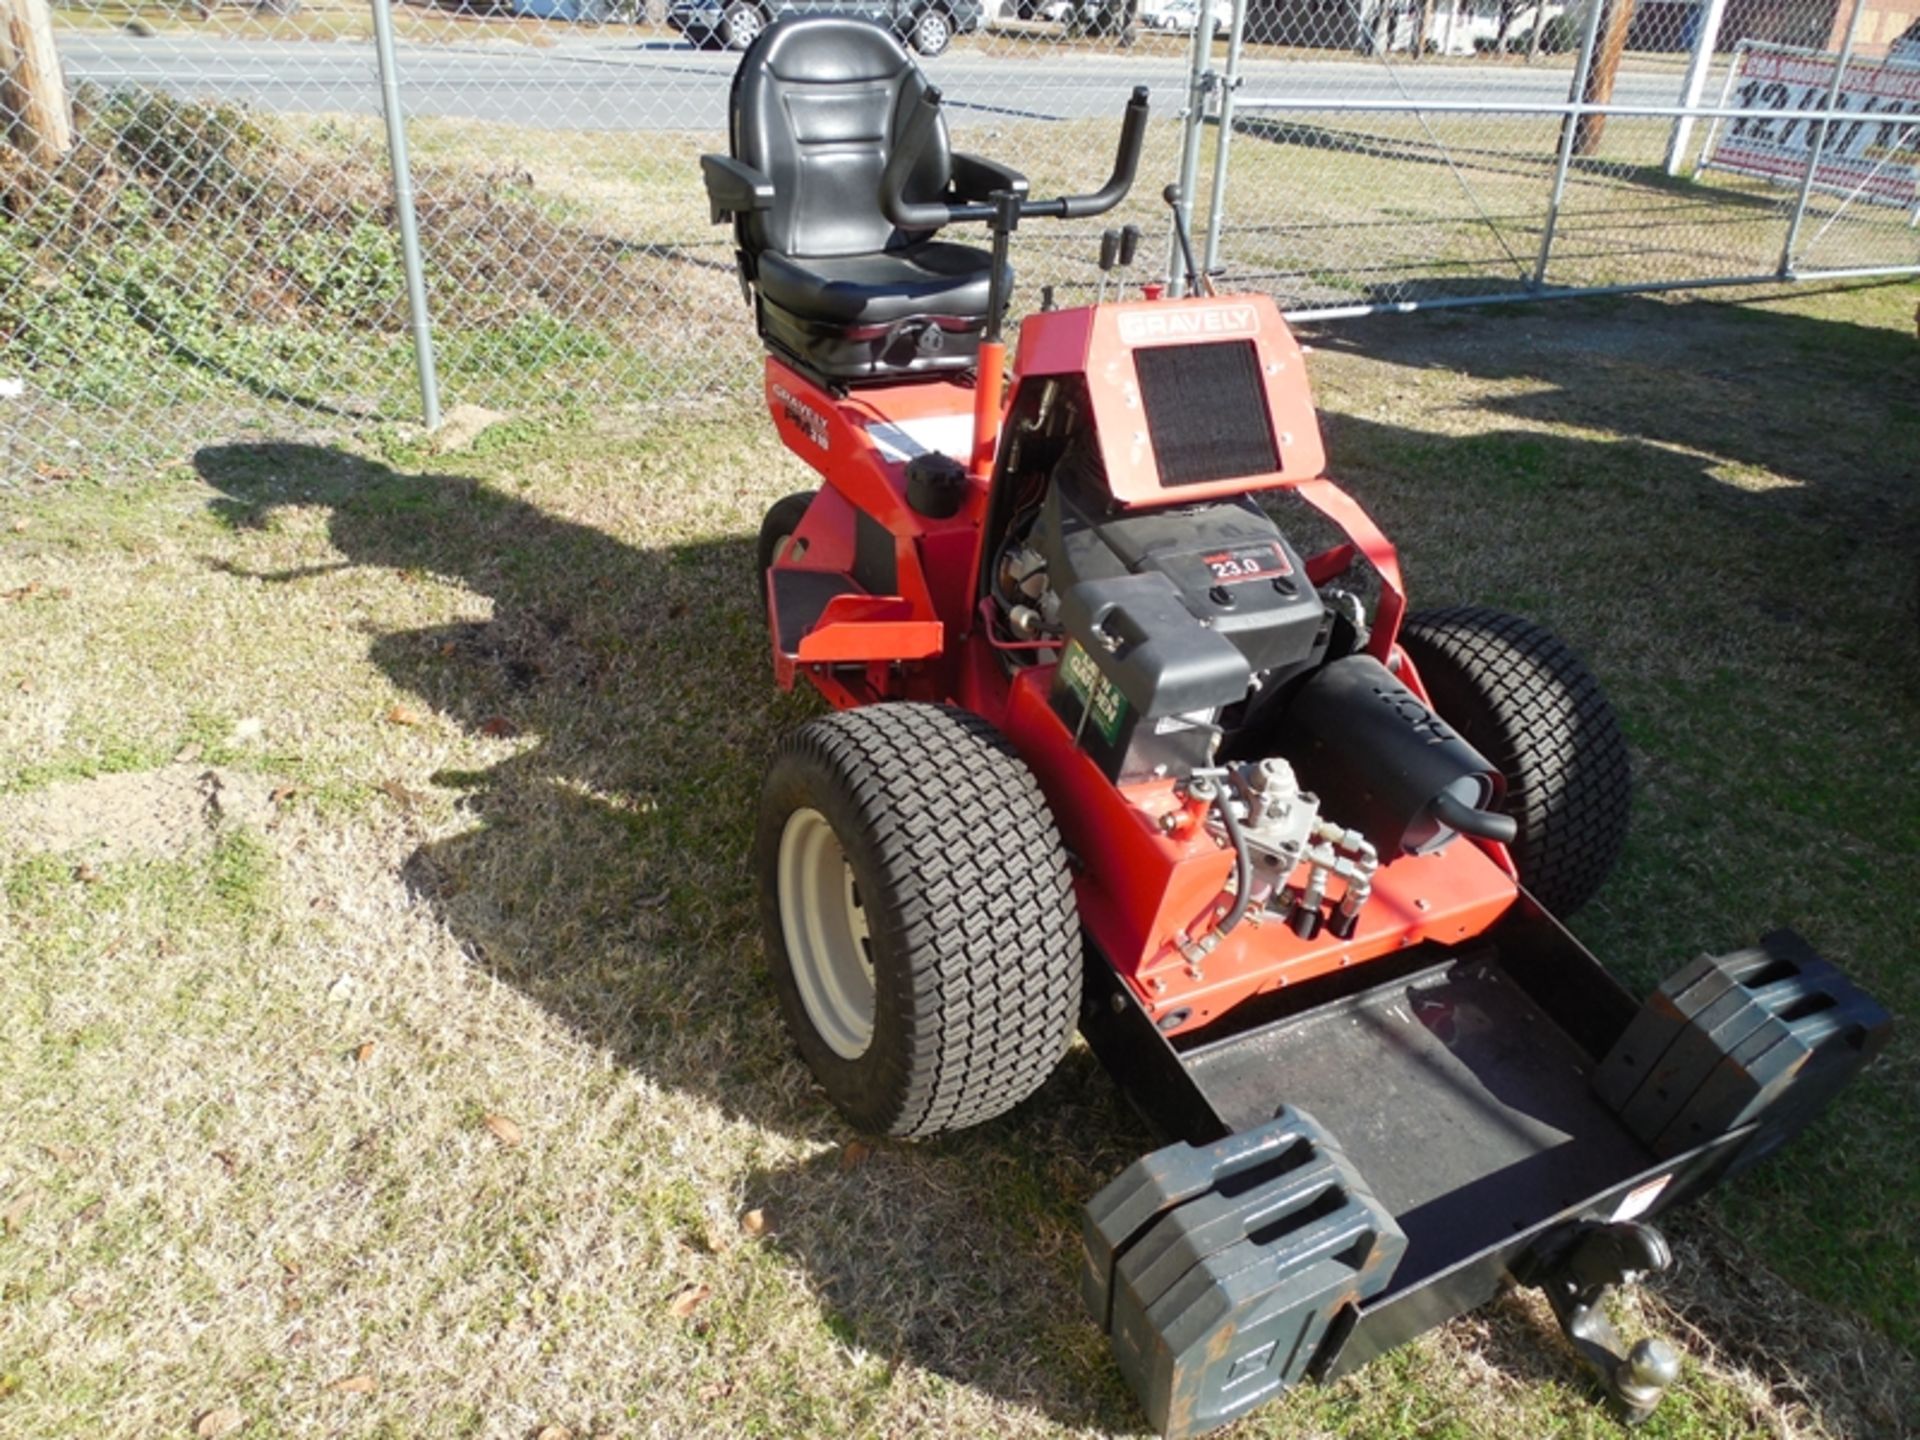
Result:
[[975, 178], [733, 188]]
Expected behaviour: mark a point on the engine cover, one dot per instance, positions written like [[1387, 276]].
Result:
[[1230, 565]]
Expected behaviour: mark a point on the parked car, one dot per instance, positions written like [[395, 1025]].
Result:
[[1056, 11], [1181, 16], [927, 25]]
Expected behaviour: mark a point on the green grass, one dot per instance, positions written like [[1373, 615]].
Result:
[[206, 270], [514, 704]]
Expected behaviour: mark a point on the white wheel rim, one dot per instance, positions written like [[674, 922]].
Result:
[[829, 942], [744, 25], [933, 31]]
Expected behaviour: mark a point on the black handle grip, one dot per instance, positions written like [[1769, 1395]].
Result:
[[1126, 163], [932, 214], [1109, 248], [1129, 244], [926, 214]]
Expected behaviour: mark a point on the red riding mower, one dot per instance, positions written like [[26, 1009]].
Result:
[[1110, 752]]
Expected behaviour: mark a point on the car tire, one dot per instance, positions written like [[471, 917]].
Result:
[[932, 31], [1521, 697], [919, 916], [743, 23]]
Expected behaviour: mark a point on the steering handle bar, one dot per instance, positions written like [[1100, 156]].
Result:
[[932, 214]]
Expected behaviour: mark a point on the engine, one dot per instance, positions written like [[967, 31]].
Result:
[[1192, 647], [1171, 616]]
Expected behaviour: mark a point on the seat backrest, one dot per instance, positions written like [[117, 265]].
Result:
[[818, 103]]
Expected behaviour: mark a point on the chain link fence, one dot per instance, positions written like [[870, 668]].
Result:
[[216, 250], [1607, 158]]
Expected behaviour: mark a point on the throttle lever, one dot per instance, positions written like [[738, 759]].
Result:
[[1129, 246]]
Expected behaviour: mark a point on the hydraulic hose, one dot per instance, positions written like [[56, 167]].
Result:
[[1242, 863]]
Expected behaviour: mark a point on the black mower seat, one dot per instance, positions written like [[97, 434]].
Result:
[[818, 105], [931, 278]]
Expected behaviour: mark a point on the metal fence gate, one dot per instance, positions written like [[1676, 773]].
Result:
[[1702, 158], [270, 217]]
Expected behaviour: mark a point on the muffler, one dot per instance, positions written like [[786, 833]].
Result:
[[1384, 764]]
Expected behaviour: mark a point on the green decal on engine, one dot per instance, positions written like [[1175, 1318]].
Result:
[[1098, 695]]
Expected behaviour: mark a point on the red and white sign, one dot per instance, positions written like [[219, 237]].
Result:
[[1872, 149]]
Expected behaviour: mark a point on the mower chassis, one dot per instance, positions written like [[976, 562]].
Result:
[[1457, 1082]]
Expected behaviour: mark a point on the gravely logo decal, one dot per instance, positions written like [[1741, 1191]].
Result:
[[1187, 322], [809, 420]]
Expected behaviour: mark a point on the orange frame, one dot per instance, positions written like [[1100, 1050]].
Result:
[[1146, 892]]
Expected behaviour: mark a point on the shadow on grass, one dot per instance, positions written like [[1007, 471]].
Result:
[[604, 873], [1830, 406]]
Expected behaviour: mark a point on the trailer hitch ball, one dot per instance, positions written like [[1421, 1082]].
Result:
[[1577, 1266], [1644, 1376]]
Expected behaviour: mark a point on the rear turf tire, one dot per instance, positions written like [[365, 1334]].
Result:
[[1531, 706], [783, 518], [958, 897]]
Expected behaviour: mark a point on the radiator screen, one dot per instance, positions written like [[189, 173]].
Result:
[[1206, 411]]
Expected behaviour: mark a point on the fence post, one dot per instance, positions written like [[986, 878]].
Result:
[[1702, 61], [33, 93], [1568, 127], [1217, 204], [1200, 80], [1819, 141], [404, 213], [1740, 52]]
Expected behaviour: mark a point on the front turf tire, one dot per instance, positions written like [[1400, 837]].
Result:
[[957, 897], [1530, 705]]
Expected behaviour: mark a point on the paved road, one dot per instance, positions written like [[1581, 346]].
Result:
[[619, 85]]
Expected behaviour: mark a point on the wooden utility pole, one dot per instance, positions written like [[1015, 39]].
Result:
[[33, 93], [1606, 62]]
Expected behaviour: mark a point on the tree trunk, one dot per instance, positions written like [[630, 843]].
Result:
[[1611, 44], [33, 93]]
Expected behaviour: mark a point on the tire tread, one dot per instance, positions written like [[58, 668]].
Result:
[[969, 852], [1548, 726]]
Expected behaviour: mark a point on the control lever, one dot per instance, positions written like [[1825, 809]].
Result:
[[1109, 252], [923, 126], [1129, 246], [1197, 283]]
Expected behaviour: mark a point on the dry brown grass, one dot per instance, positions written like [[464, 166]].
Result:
[[512, 707]]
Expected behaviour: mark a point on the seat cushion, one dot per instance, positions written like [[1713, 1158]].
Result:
[[931, 278], [819, 103]]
